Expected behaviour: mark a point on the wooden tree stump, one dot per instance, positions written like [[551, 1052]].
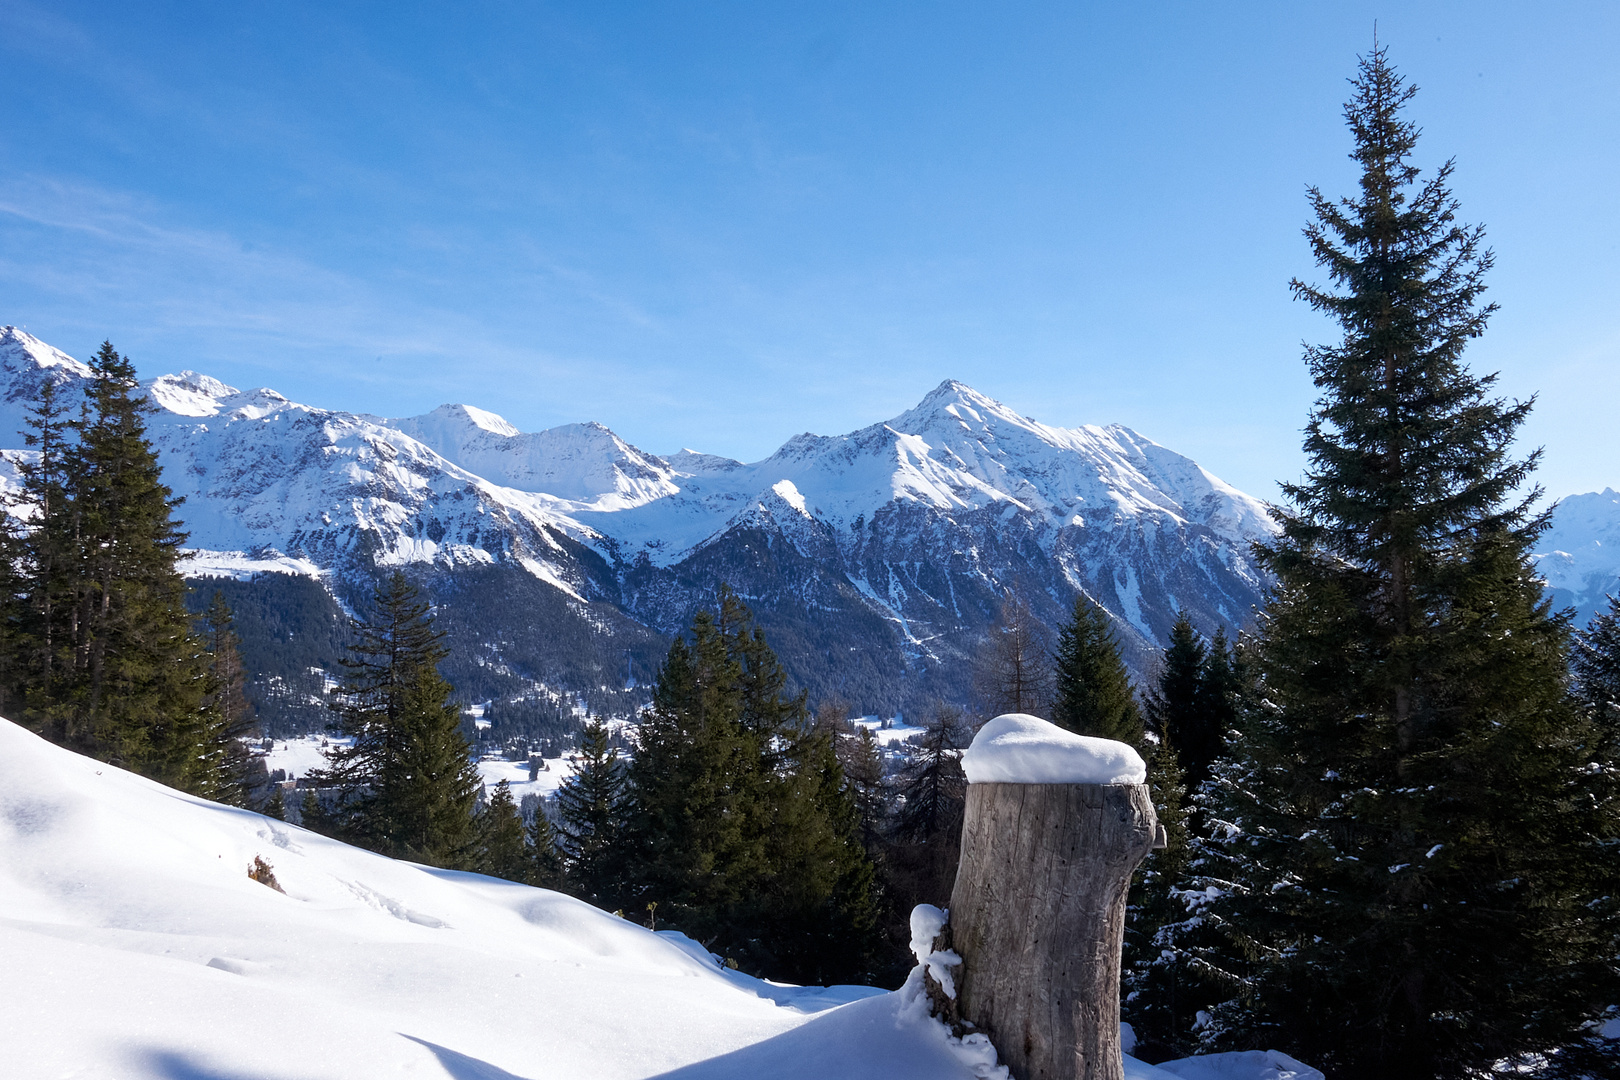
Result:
[[1038, 916]]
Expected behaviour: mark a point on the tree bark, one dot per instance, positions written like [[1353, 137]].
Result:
[[1038, 916]]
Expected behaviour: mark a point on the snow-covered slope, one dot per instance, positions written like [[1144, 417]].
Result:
[[135, 945], [1580, 554]]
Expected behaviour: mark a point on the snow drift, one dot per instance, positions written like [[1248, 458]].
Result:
[[136, 945], [1016, 748]]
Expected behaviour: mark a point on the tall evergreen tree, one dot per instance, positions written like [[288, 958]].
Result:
[[591, 809], [102, 655], [743, 830], [227, 716], [408, 786], [927, 826], [1160, 993], [862, 762], [1596, 661], [502, 850], [1094, 695], [1417, 870], [545, 860], [1193, 701]]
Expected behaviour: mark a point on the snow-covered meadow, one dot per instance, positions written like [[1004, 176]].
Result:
[[135, 945]]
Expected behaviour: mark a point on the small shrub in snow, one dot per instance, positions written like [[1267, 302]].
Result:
[[262, 872]]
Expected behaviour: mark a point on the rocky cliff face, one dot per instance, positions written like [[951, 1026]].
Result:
[[876, 560]]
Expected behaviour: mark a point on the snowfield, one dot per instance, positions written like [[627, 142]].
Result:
[[136, 946]]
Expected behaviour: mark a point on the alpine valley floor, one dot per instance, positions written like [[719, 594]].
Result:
[[135, 946]]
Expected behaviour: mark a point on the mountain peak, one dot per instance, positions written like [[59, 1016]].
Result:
[[189, 394], [20, 349]]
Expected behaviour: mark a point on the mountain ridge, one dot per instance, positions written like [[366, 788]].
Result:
[[876, 559]]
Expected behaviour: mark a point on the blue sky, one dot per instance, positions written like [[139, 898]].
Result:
[[717, 225]]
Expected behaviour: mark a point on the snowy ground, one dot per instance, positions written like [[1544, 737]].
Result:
[[299, 757], [516, 774], [136, 946], [898, 731], [302, 756]]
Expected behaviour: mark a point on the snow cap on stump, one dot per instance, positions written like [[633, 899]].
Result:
[[1017, 748]]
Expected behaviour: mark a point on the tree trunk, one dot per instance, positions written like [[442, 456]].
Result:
[[1038, 916]]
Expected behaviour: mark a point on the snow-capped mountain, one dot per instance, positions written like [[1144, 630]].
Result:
[[1580, 554], [876, 560]]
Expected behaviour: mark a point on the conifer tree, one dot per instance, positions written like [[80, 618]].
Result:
[[102, 656], [1596, 662], [932, 795], [1161, 995], [545, 861], [502, 851], [408, 785], [1192, 702], [1094, 695], [1415, 870], [313, 815], [591, 810], [862, 762], [276, 805], [743, 831], [227, 716]]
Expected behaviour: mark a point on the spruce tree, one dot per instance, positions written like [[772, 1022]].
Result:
[[276, 805], [1192, 702], [1160, 994], [1416, 879], [545, 861], [743, 831], [862, 762], [932, 796], [408, 787], [102, 655], [227, 716], [1596, 662], [1094, 695], [502, 851], [591, 809]]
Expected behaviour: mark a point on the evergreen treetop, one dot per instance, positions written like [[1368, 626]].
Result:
[[409, 788], [1094, 694], [101, 657], [1406, 845]]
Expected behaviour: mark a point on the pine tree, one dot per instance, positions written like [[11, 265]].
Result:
[[862, 762], [227, 716], [102, 657], [932, 796], [743, 831], [276, 805], [1416, 871], [408, 786], [1192, 702], [1161, 995], [591, 810], [1094, 695], [502, 851], [545, 861]]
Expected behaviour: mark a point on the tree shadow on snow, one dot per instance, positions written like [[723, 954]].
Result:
[[460, 1066], [172, 1065]]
